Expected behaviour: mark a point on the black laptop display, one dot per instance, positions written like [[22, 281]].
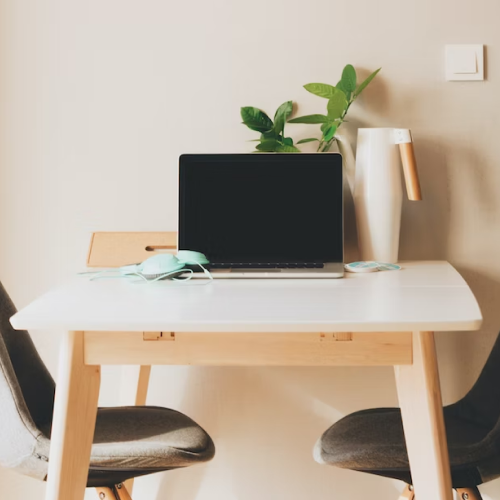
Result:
[[262, 210]]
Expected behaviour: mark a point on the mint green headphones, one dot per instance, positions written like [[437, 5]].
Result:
[[161, 266]]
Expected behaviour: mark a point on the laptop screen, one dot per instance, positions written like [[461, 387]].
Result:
[[262, 207]]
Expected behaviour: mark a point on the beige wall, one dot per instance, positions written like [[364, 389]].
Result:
[[99, 98]]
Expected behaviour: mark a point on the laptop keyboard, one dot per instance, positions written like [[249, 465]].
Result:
[[266, 265]]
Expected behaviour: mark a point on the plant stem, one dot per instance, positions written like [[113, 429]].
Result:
[[325, 146], [328, 145]]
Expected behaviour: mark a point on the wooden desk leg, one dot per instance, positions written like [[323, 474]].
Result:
[[135, 383], [419, 396], [73, 426]]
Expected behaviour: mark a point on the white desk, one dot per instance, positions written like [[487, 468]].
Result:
[[385, 318]]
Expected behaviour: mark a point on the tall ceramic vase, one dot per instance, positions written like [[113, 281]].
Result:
[[378, 194], [377, 189]]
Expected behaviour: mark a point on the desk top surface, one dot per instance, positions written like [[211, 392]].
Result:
[[423, 296]]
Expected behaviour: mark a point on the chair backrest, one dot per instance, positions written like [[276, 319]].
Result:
[[115, 249], [26, 398], [482, 403]]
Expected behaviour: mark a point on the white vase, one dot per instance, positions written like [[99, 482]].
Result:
[[378, 194], [375, 182]]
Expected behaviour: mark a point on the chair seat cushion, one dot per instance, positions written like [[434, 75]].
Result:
[[132, 441], [373, 441], [148, 437]]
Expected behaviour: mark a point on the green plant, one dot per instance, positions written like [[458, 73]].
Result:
[[272, 134], [340, 98]]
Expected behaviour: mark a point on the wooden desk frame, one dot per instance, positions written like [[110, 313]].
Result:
[[412, 354], [247, 349]]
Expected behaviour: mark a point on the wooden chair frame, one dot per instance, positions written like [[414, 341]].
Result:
[[122, 248], [118, 492], [469, 493], [463, 493]]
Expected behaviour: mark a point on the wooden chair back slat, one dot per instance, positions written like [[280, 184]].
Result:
[[115, 249]]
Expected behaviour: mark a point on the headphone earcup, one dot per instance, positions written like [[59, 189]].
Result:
[[191, 257], [159, 265]]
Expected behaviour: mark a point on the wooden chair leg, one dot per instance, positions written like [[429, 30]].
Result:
[[122, 492], [106, 494], [134, 390], [469, 494], [118, 492], [408, 493]]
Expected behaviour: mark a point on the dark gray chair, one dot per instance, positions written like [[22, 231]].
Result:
[[128, 441], [373, 441]]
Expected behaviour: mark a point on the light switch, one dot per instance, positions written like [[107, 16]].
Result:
[[464, 62]]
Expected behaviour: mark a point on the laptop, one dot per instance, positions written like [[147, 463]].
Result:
[[263, 215]]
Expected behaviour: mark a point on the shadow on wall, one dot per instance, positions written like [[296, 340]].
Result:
[[425, 225], [267, 450], [351, 252], [377, 96]]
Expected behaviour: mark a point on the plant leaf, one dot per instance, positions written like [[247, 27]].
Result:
[[311, 139], [282, 113], [255, 119], [340, 86], [347, 93], [365, 84], [310, 119], [283, 148], [267, 146], [321, 89], [288, 141], [270, 135], [328, 135], [349, 78], [336, 106]]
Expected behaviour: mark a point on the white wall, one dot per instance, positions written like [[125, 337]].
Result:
[[99, 98]]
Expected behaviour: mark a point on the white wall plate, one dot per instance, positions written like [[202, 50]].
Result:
[[464, 62]]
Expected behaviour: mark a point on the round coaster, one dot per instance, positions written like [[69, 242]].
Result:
[[362, 267], [388, 267]]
